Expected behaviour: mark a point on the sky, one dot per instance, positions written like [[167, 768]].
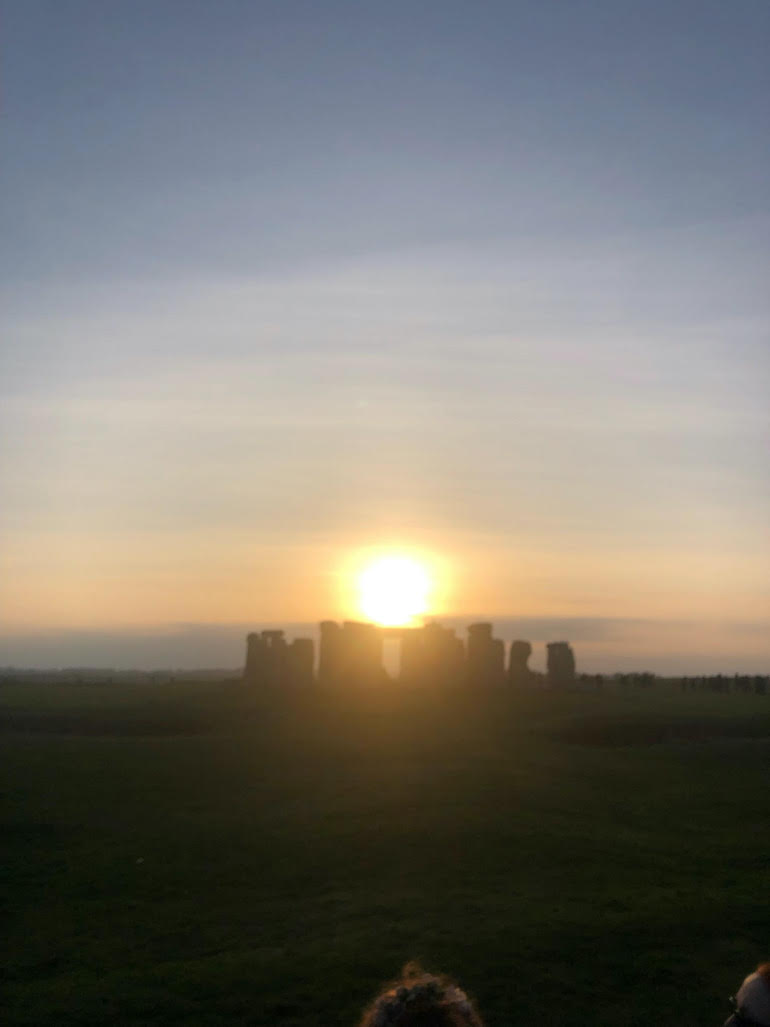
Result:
[[282, 283]]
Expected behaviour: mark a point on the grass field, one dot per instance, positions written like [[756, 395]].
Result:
[[191, 854]]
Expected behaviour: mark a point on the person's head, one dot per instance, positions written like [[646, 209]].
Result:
[[420, 999], [752, 1001]]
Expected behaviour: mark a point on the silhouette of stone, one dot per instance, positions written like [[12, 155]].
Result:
[[274, 656], [329, 656], [300, 660], [266, 659], [350, 654], [561, 665], [485, 657], [519, 673], [497, 660], [431, 655], [361, 652], [252, 669]]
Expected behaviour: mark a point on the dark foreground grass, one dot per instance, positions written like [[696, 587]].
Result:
[[182, 854]]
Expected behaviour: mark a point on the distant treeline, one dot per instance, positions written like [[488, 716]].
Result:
[[758, 683]]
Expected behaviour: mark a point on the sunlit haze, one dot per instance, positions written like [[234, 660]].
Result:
[[394, 590], [283, 283]]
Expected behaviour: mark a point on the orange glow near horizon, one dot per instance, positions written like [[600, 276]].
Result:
[[394, 590]]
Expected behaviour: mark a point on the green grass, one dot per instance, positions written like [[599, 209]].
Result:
[[190, 854]]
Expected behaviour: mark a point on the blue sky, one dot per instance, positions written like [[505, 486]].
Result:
[[280, 280]]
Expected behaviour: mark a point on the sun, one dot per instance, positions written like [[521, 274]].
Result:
[[393, 590]]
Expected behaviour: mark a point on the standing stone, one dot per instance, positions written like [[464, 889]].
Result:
[[519, 673], [300, 660], [361, 654], [252, 671], [431, 655], [329, 657], [485, 658], [561, 665]]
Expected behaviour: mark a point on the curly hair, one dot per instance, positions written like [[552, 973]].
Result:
[[420, 999]]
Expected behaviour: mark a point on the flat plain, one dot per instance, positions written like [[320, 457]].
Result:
[[192, 853]]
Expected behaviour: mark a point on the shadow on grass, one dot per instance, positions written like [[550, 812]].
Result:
[[609, 731], [120, 724]]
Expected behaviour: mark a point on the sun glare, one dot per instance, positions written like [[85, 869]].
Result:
[[393, 591]]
